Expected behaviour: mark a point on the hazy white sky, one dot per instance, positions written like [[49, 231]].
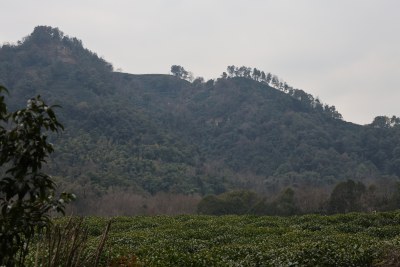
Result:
[[347, 52]]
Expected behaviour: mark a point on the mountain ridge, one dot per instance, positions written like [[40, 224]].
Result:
[[157, 132]]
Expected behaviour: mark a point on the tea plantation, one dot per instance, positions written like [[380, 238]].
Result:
[[192, 240]]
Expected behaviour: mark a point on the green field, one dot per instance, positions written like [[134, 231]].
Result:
[[193, 240]]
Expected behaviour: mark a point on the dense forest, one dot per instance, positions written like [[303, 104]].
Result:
[[146, 138]]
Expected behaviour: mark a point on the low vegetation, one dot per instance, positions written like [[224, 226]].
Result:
[[353, 239], [348, 196]]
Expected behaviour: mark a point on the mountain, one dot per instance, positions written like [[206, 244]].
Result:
[[158, 133]]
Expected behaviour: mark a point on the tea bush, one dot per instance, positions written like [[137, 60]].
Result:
[[354, 239]]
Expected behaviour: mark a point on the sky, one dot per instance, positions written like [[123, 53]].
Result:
[[346, 52]]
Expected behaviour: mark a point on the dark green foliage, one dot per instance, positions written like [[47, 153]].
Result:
[[248, 202], [152, 133], [349, 196], [346, 197], [313, 240], [27, 194], [234, 202], [285, 205], [180, 72], [211, 205]]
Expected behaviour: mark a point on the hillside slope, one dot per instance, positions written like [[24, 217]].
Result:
[[161, 133]]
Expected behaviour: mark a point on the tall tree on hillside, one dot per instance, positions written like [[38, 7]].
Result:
[[181, 73], [395, 121], [245, 72], [231, 70], [256, 74], [275, 81], [381, 122], [263, 76], [268, 78]]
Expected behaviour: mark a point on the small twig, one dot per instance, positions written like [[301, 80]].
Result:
[[102, 242]]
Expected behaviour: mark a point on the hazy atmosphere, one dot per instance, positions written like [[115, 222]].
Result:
[[345, 52], [200, 133]]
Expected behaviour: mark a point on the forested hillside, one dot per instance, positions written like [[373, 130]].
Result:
[[162, 133]]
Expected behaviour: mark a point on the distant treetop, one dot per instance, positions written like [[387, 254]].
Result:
[[275, 82], [181, 73]]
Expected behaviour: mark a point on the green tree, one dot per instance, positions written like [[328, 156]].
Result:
[[268, 78], [198, 81], [395, 121], [285, 205], [233, 202], [256, 74], [244, 71], [263, 76], [382, 122], [27, 195], [181, 73], [346, 197], [231, 70], [211, 205]]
